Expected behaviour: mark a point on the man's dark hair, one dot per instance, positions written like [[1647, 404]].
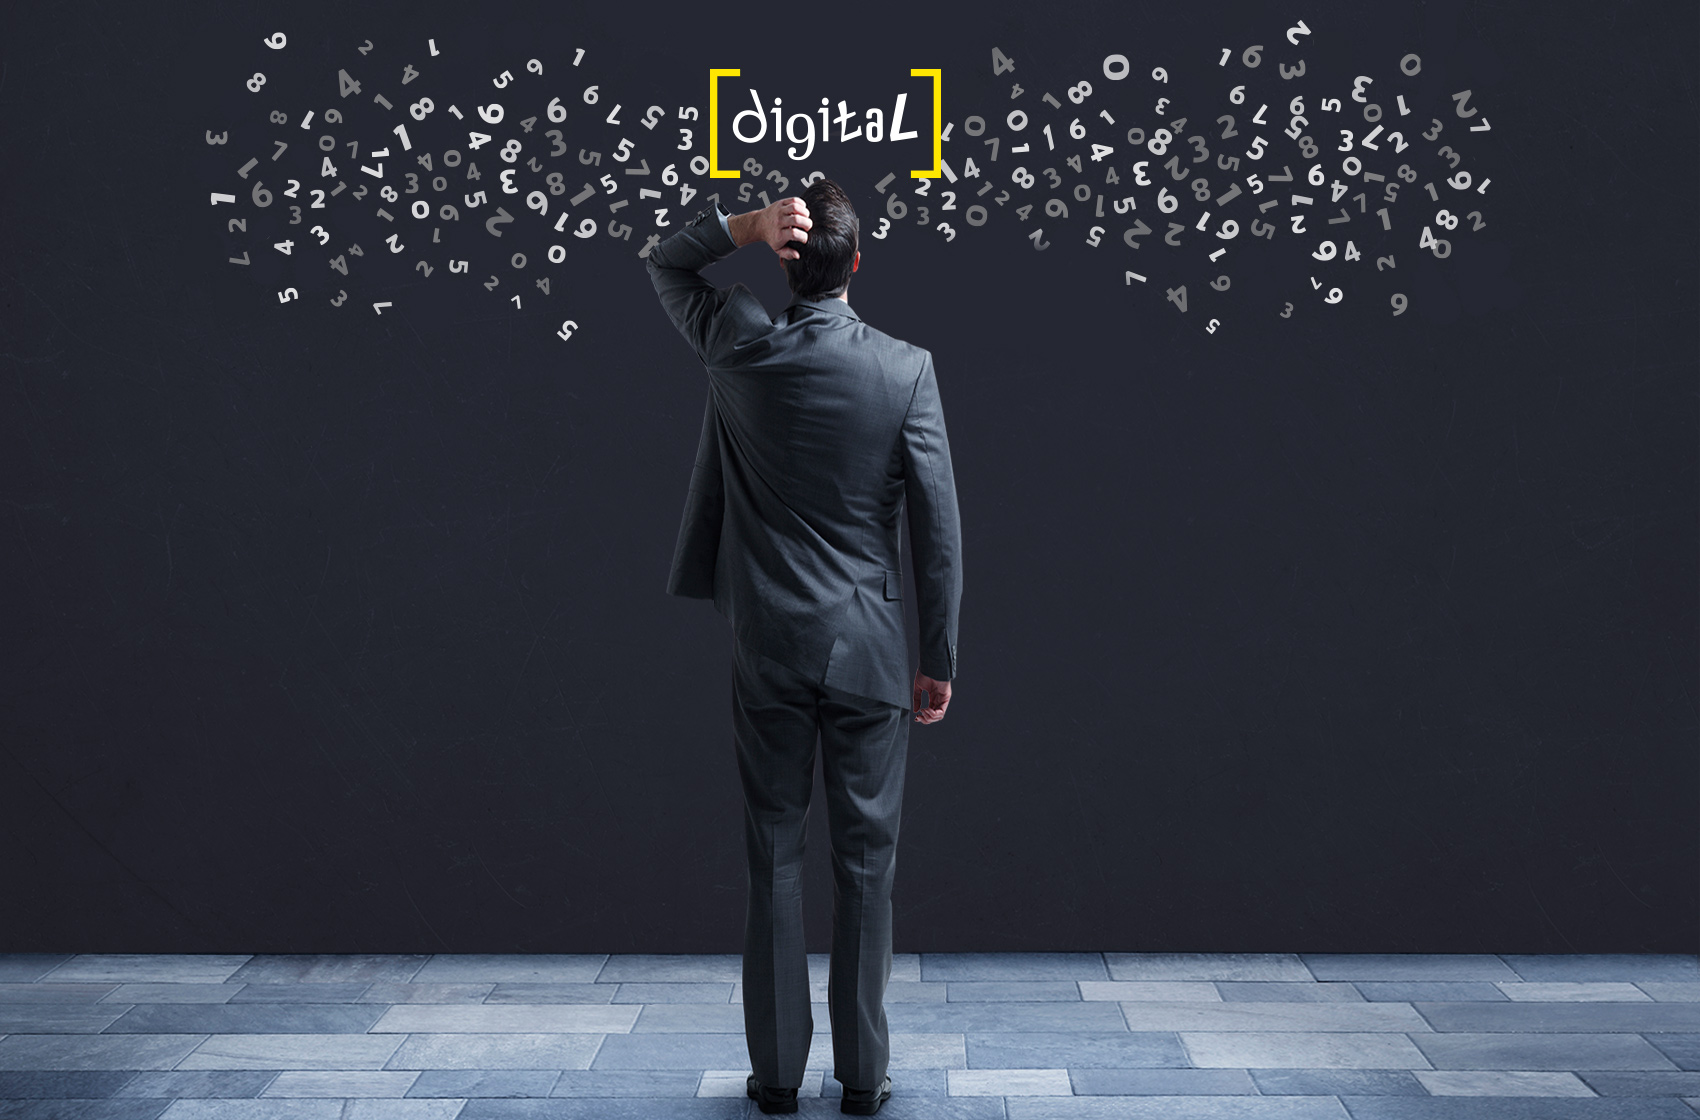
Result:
[[822, 268]]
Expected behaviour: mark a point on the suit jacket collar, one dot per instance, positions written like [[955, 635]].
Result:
[[831, 305]]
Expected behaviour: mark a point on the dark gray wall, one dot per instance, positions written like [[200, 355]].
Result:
[[331, 632]]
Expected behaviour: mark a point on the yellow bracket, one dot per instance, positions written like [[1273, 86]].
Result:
[[714, 77], [937, 75]]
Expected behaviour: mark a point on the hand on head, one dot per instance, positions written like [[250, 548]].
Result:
[[784, 222]]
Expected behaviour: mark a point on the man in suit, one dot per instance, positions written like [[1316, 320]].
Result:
[[818, 431]]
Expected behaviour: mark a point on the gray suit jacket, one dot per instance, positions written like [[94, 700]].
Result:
[[818, 428]]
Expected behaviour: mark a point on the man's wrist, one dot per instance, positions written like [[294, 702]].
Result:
[[743, 228]]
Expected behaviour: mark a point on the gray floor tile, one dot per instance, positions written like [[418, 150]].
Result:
[[1161, 1082], [197, 968], [957, 1018], [321, 968], [917, 1051], [1074, 1050], [495, 1051], [1511, 1108], [199, 1083], [253, 1110], [26, 968], [553, 993], [24, 1085], [13, 994], [1502, 1083], [516, 1018], [638, 992], [1297, 1050], [1013, 991], [672, 1051], [672, 968], [1013, 966], [429, 993], [901, 1107], [97, 1051], [1273, 1017], [129, 1109], [1671, 991], [468, 1083], [1207, 966], [1176, 1108], [317, 992], [314, 1110], [1009, 1083], [1338, 1082], [1567, 991], [1157, 991], [694, 1018], [1682, 1049], [607, 1108], [1644, 1083], [252, 1018], [58, 1018], [1577, 1017], [1277, 991], [916, 991], [1407, 966], [341, 1083], [1605, 966], [627, 1083], [512, 968], [1431, 991], [290, 1051], [1539, 1051], [905, 967], [172, 993]]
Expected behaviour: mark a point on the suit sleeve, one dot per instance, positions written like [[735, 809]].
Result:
[[711, 319], [935, 529]]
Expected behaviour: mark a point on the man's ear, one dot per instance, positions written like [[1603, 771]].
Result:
[[856, 260]]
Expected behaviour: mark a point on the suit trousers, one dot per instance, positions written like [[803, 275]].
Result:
[[777, 714]]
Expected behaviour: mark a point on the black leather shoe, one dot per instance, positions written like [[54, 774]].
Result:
[[771, 1100], [865, 1102]]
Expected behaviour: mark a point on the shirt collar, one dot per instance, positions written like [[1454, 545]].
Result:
[[831, 305]]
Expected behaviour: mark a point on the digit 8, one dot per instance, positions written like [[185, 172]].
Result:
[[752, 166], [1080, 92], [1307, 147], [557, 185], [1201, 190], [388, 193], [279, 117], [510, 151], [1446, 218], [255, 82], [1022, 177], [1407, 173], [422, 108], [1159, 142]]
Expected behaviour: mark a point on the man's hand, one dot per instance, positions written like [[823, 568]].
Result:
[[931, 698], [785, 221]]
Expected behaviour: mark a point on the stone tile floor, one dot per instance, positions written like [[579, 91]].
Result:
[[1042, 1036]]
